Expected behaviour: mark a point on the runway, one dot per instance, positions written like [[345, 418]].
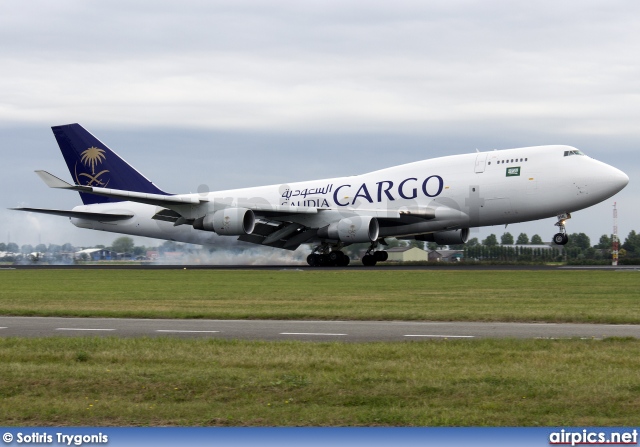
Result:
[[281, 330], [355, 267]]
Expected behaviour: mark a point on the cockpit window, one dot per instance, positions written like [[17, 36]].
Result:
[[573, 152]]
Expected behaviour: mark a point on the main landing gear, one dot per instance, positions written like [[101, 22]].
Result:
[[372, 257], [324, 256], [561, 238]]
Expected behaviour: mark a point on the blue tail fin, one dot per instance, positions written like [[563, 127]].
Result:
[[92, 163]]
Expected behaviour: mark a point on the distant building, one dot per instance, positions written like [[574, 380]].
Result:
[[36, 256], [4, 254], [407, 254], [446, 255], [9, 256], [96, 254]]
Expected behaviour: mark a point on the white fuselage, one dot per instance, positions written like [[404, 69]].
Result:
[[460, 191]]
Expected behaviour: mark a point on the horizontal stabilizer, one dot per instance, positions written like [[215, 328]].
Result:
[[52, 181], [101, 217], [151, 199]]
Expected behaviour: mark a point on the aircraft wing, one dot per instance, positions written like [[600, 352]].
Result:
[[281, 231], [286, 235], [100, 217]]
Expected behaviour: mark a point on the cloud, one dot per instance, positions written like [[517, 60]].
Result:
[[250, 93], [297, 66]]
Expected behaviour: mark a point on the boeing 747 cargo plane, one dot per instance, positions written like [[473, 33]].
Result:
[[435, 200]]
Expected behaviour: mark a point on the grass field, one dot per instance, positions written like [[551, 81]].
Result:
[[166, 382], [552, 296]]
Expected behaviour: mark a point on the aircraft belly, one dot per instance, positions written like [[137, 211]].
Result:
[[159, 230], [446, 219], [495, 210], [497, 202]]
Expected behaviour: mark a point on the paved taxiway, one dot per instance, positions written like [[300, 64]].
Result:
[[347, 331]]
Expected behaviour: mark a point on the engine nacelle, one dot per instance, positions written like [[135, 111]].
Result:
[[352, 230], [228, 222], [452, 237]]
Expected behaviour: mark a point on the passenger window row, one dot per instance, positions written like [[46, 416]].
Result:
[[513, 160]]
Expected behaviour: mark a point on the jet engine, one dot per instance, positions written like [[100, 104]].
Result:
[[452, 237], [228, 222], [352, 230]]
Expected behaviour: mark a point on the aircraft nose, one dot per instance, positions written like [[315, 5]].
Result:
[[613, 180], [619, 179], [603, 181]]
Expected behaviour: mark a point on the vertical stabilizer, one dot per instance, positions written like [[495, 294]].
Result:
[[92, 163]]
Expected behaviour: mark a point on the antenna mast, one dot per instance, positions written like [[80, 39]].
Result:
[[614, 237]]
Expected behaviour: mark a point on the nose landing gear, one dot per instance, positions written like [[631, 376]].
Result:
[[561, 238]]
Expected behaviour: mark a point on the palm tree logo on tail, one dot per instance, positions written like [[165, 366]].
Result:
[[92, 157]]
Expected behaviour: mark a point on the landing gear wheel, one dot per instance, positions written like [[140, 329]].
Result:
[[381, 256], [322, 257], [338, 258], [369, 260], [560, 239], [335, 256]]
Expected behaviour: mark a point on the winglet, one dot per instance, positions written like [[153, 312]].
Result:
[[52, 181]]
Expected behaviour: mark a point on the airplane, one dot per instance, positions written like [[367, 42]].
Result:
[[435, 200]]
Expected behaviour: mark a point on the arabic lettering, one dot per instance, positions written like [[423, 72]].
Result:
[[288, 193]]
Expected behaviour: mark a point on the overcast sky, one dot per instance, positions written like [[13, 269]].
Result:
[[246, 93]]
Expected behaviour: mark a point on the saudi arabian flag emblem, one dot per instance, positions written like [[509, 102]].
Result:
[[513, 172]]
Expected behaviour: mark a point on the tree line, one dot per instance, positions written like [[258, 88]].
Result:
[[508, 248], [578, 249]]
